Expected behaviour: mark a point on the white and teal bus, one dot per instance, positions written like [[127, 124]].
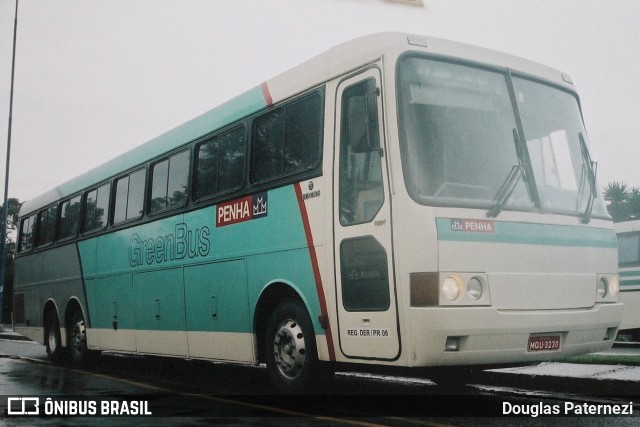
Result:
[[629, 269], [398, 200]]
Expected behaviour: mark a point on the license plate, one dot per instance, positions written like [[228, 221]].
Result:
[[544, 343]]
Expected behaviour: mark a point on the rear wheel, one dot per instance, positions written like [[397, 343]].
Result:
[[290, 349], [52, 340], [78, 338]]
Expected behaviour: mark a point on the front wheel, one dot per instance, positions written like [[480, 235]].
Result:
[[290, 349]]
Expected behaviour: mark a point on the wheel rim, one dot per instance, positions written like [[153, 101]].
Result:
[[52, 340], [79, 337], [289, 348]]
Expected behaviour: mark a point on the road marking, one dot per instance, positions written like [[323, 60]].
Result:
[[420, 422], [287, 412], [266, 408]]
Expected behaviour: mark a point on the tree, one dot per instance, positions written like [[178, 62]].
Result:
[[9, 233], [12, 212], [617, 194], [624, 202], [633, 203]]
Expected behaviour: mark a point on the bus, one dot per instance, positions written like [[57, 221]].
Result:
[[397, 201], [628, 233]]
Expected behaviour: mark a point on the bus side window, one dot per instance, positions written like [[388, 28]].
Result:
[[287, 140], [361, 192], [129, 197], [220, 164], [26, 234], [96, 208], [45, 231], [170, 182], [69, 218]]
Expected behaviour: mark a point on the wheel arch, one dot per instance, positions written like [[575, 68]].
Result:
[[50, 307], [273, 294], [72, 305]]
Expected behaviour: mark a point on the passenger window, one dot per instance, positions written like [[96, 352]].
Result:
[[120, 208], [220, 164], [129, 197], [26, 234], [361, 189], [46, 226], [159, 186], [287, 140], [69, 218], [96, 208], [170, 182]]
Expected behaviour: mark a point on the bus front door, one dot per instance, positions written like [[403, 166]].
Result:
[[365, 289]]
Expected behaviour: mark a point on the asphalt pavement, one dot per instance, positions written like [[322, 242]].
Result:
[[612, 373]]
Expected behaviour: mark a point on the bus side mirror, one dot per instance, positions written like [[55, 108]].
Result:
[[363, 122]]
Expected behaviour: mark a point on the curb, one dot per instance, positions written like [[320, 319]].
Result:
[[573, 385], [6, 333], [12, 336]]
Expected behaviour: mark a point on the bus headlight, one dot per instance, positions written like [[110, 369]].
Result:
[[601, 289], [449, 289], [474, 288], [452, 287], [614, 286]]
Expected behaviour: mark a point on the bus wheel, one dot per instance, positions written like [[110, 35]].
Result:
[[292, 359], [52, 340], [78, 338]]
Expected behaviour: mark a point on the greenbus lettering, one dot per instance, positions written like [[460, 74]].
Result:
[[183, 242]]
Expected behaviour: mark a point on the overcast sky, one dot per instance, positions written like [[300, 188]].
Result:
[[95, 78]]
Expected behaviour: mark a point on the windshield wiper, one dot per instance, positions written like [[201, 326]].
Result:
[[506, 189], [503, 194], [590, 166]]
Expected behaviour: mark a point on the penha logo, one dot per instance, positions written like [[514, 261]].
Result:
[[243, 209], [473, 225]]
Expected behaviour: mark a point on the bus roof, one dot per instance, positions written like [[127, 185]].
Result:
[[627, 226], [334, 62]]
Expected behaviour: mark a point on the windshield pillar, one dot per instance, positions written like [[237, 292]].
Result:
[[527, 169]]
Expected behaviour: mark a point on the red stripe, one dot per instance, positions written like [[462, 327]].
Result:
[[316, 269], [266, 94]]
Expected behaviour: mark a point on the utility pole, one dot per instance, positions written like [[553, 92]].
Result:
[[5, 205]]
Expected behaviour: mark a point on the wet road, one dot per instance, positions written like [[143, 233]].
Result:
[[187, 392]]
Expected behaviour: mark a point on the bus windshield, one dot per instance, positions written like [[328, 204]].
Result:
[[460, 140]]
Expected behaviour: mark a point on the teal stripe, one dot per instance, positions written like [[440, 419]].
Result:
[[630, 282], [630, 273], [531, 234]]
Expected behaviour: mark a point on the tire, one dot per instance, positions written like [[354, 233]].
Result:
[[78, 351], [52, 340], [290, 349]]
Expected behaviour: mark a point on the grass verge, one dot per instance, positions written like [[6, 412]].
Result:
[[606, 359]]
